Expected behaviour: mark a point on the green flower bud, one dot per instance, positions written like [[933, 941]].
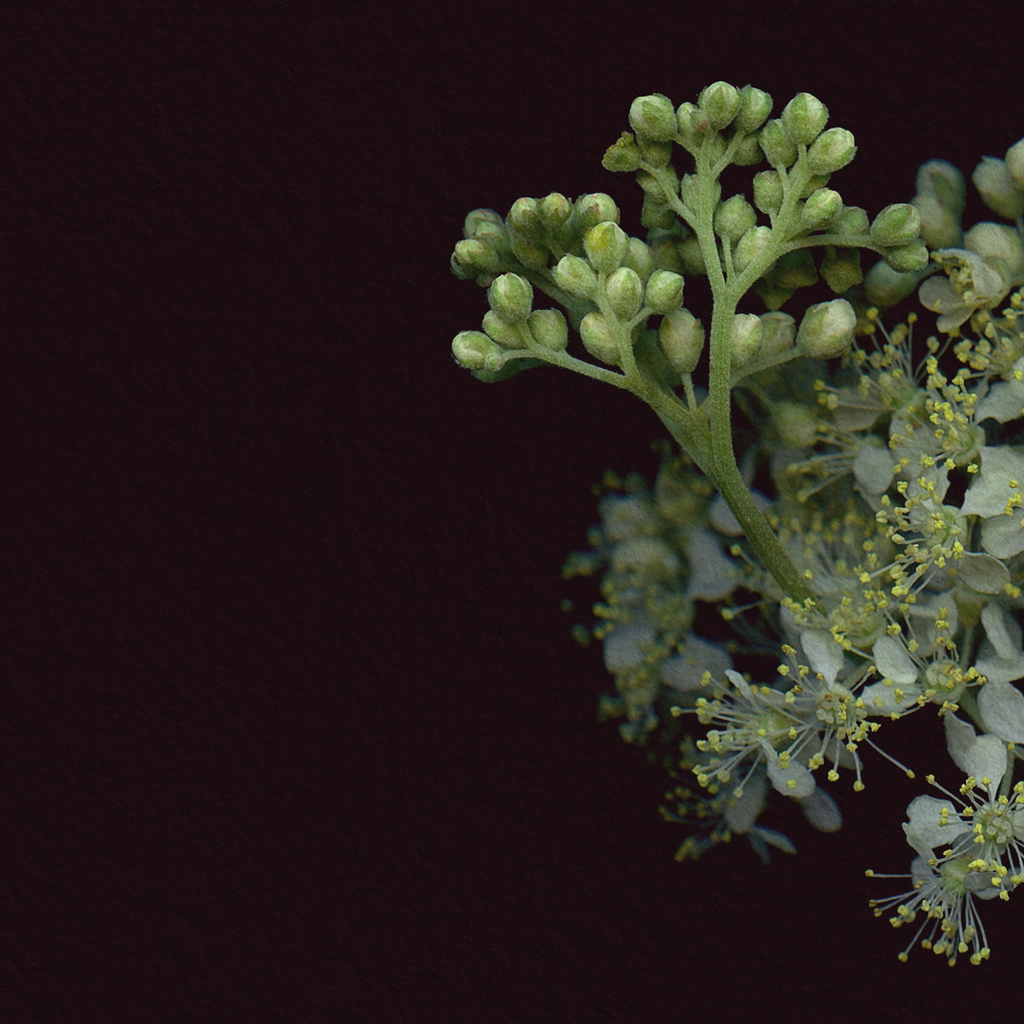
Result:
[[475, 351], [755, 106], [720, 103], [734, 218], [574, 275], [795, 423], [474, 255], [549, 329], [779, 333], [779, 149], [768, 191], [750, 246], [841, 268], [747, 152], [622, 155], [501, 331], [639, 257], [884, 286], [795, 270], [554, 210], [896, 225], [650, 184], [940, 227], [594, 208], [664, 292], [654, 154], [852, 221], [692, 256], [605, 245], [826, 329], [511, 297], [941, 179], [524, 217], [654, 117], [821, 209], [805, 118], [625, 292], [664, 249], [476, 218], [656, 215], [532, 255], [1015, 163], [997, 189], [905, 258], [831, 151], [692, 123], [747, 335], [714, 146], [599, 339], [464, 273], [681, 337], [813, 183]]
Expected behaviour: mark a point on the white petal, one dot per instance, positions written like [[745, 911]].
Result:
[[1002, 707], [991, 490], [1004, 402], [1003, 536], [824, 654], [925, 831], [1003, 631], [741, 815], [960, 737], [984, 757], [983, 573], [822, 811], [881, 699], [776, 839], [795, 780], [684, 671], [872, 467], [712, 573], [626, 645], [893, 661]]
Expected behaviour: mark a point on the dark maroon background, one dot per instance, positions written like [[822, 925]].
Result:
[[293, 728]]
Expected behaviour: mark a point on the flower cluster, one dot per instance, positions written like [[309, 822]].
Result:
[[863, 558]]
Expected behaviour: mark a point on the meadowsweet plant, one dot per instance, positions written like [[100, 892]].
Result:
[[837, 542]]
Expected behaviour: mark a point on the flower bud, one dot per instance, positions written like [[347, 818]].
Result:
[[656, 215], [779, 149], [664, 292], [734, 218], [654, 117], [1015, 163], [813, 183], [831, 151], [650, 184], [747, 152], [511, 297], [692, 123], [599, 339], [533, 255], [639, 257], [884, 286], [941, 179], [594, 208], [549, 329], [852, 221], [755, 106], [841, 268], [940, 227], [720, 103], [692, 256], [795, 424], [605, 245], [477, 256], [681, 337], [747, 335], [524, 217], [997, 189], [475, 351], [654, 154], [476, 218], [625, 292], [501, 331], [805, 117], [575, 276], [554, 210], [768, 192], [1000, 245], [896, 225], [821, 209], [750, 246], [826, 329], [622, 155], [906, 258], [779, 333]]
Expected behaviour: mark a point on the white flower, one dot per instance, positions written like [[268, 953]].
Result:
[[1000, 658], [973, 283], [933, 823], [946, 897], [713, 575], [1002, 707], [698, 659]]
